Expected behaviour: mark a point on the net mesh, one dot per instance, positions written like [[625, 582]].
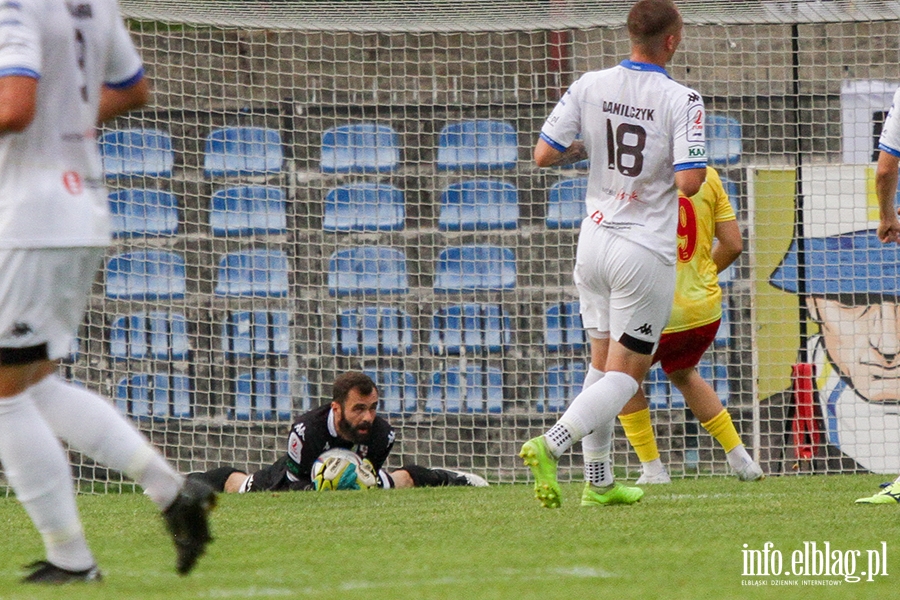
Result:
[[296, 202]]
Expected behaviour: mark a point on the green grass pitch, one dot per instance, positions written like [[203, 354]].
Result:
[[684, 540]]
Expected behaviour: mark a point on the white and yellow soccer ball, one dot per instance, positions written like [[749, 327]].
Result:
[[341, 469]]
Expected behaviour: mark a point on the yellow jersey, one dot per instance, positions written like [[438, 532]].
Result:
[[698, 297]]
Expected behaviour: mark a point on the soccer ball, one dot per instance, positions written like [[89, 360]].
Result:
[[341, 469]]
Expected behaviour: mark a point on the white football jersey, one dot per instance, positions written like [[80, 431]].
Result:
[[890, 132], [639, 127], [51, 182]]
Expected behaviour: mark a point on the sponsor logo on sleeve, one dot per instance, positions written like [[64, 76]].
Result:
[[695, 123], [72, 182], [697, 151]]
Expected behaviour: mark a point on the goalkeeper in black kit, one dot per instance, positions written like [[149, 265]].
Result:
[[349, 422]]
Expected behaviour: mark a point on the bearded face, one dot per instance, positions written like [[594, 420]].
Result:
[[355, 418]]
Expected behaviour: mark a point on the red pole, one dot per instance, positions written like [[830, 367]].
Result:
[[804, 428], [559, 63]]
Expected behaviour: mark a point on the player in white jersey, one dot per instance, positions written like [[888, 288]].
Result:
[[886, 176], [64, 67], [644, 136]]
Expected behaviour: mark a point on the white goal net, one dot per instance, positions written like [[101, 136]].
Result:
[[326, 186]]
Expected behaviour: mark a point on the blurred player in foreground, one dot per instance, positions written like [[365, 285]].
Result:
[[888, 233], [64, 66], [350, 422], [692, 327], [644, 135]]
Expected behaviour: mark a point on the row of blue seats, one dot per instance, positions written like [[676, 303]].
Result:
[[473, 205], [265, 394], [365, 331], [353, 148], [355, 271]]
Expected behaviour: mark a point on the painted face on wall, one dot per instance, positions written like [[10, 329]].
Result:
[[862, 339]]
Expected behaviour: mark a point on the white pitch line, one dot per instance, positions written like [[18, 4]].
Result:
[[580, 572], [715, 496]]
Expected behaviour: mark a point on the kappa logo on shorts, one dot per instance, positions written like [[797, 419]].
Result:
[[645, 329], [21, 330]]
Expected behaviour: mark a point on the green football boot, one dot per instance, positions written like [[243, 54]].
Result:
[[536, 455], [617, 494], [889, 495]]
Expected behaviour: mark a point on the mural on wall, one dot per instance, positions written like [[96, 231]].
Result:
[[848, 282]]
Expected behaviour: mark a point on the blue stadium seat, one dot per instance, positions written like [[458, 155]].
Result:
[[726, 277], [470, 268], [256, 334], [156, 396], [473, 328], [476, 390], [479, 204], [365, 270], [263, 394], [397, 390], [74, 350], [145, 275], [717, 376], [565, 203], [563, 329], [139, 212], [733, 190], [154, 335], [237, 151], [258, 272], [561, 383], [657, 388], [372, 331], [137, 152], [714, 374], [360, 148], [723, 335], [248, 210], [479, 144], [723, 139], [364, 206]]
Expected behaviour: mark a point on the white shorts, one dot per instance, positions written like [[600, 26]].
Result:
[[626, 290], [43, 297]]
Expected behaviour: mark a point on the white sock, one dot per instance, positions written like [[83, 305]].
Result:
[[560, 437], [596, 447], [593, 376], [653, 467], [91, 425], [599, 404], [738, 457], [37, 468]]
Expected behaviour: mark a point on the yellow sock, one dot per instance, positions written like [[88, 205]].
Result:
[[722, 428], [639, 432]]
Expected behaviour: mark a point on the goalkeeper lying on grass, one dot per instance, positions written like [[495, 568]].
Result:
[[348, 422]]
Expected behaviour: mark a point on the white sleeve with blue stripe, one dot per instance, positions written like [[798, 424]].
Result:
[[124, 67], [564, 123], [20, 50], [890, 133]]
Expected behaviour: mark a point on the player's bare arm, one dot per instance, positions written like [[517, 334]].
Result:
[[886, 188], [546, 155], [729, 244], [115, 101], [18, 99], [690, 180]]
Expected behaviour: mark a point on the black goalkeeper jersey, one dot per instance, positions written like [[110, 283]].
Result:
[[312, 434]]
